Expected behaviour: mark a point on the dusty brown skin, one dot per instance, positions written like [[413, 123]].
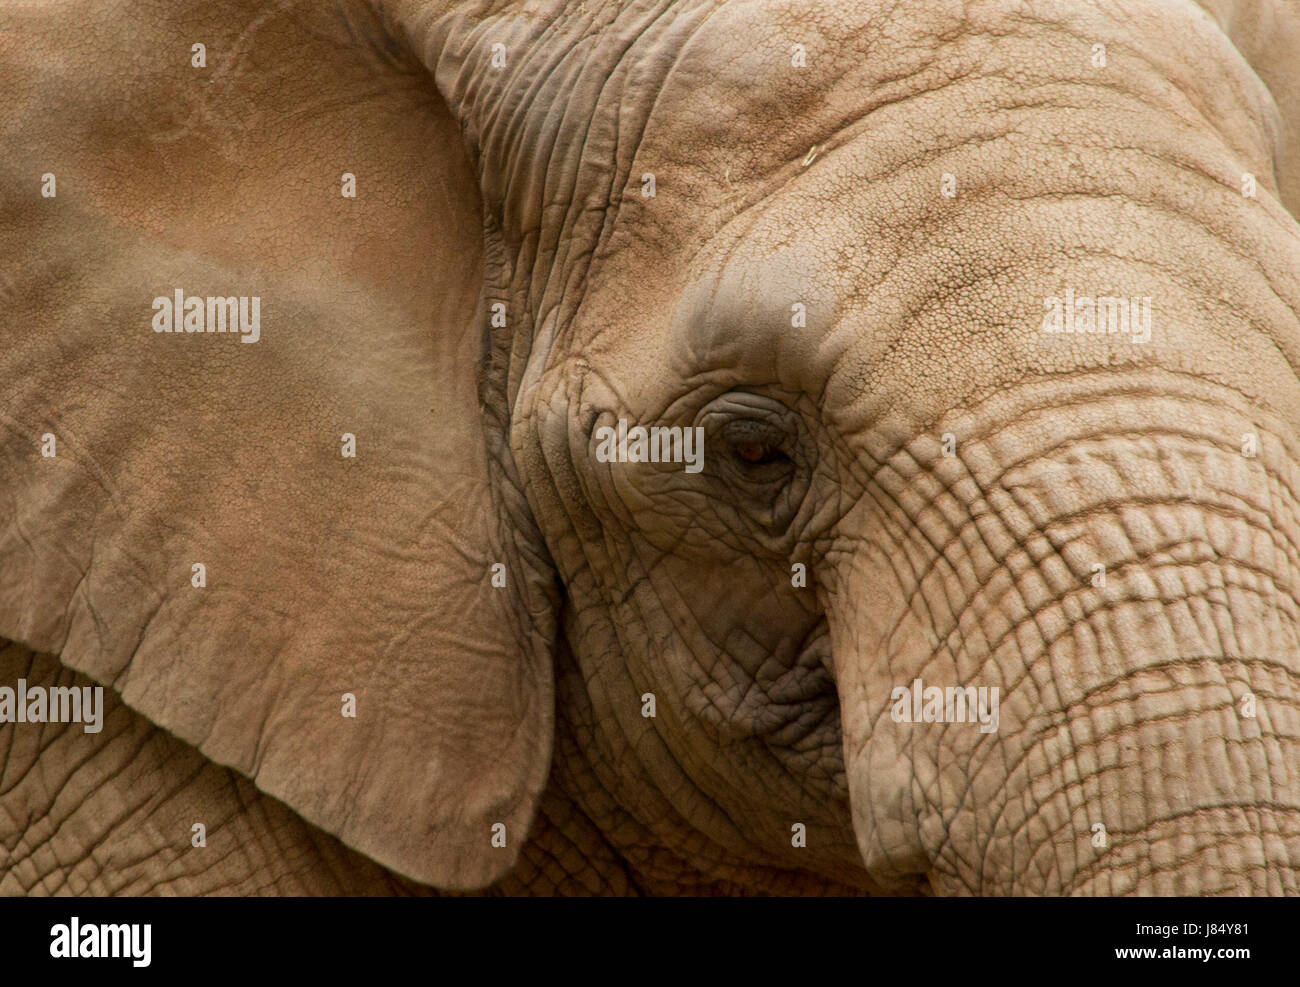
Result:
[[775, 184]]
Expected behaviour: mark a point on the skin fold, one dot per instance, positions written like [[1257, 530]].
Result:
[[824, 234]]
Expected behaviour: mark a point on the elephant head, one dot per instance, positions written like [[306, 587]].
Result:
[[978, 579]]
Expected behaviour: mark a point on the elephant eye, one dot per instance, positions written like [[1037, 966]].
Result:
[[759, 449], [765, 456], [757, 453]]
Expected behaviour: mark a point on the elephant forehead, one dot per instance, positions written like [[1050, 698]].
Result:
[[786, 65], [757, 86], [847, 257], [757, 308], [758, 92]]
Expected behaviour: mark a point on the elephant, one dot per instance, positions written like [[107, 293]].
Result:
[[673, 447]]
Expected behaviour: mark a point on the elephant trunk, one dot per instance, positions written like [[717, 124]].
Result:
[[1110, 590]]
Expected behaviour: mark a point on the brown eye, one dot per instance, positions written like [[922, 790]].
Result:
[[756, 453]]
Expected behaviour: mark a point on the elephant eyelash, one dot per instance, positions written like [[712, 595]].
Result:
[[755, 453], [756, 444]]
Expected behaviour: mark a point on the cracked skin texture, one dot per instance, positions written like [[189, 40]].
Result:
[[522, 705]]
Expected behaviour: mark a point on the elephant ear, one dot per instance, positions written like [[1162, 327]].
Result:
[[368, 637], [1267, 34]]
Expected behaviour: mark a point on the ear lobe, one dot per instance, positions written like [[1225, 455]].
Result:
[[323, 575]]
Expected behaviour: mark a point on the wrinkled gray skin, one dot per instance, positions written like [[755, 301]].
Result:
[[1124, 704]]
